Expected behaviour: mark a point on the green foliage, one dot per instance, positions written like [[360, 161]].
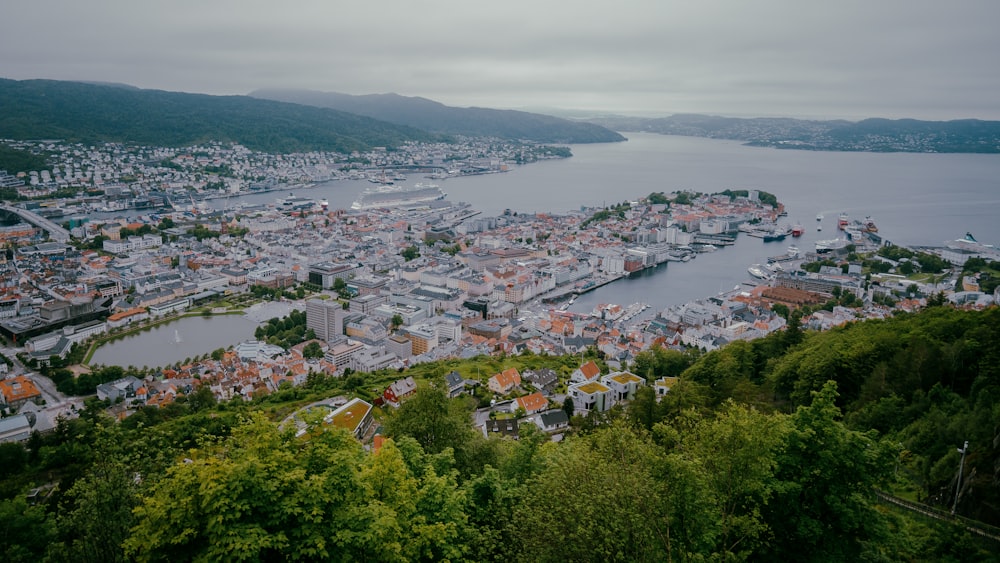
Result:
[[312, 350], [696, 475], [658, 198], [437, 423], [264, 494], [823, 507], [285, 332], [26, 531], [410, 252], [16, 160]]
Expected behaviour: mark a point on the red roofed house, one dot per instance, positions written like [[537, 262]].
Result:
[[587, 372], [531, 404], [504, 381], [399, 390]]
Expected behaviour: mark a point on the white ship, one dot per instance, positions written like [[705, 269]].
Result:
[[823, 246], [395, 196]]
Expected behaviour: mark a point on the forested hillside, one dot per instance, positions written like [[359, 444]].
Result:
[[438, 118], [767, 450], [97, 113]]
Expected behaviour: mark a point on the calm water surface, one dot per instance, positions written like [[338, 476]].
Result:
[[166, 344]]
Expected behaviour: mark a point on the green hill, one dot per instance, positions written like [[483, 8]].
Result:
[[439, 118], [95, 113]]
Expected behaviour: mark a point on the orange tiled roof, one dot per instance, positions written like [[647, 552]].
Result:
[[19, 388]]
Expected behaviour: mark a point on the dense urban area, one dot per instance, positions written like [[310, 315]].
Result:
[[370, 317]]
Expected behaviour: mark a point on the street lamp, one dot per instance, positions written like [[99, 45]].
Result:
[[958, 486]]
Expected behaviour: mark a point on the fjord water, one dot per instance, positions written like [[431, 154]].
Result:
[[916, 199]]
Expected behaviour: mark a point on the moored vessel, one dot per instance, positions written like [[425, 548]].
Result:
[[395, 196]]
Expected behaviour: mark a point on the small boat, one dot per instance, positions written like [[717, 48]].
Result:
[[760, 272], [819, 216], [843, 220]]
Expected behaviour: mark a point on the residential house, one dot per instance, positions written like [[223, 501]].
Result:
[[506, 428], [587, 372], [119, 389], [663, 385], [503, 382], [623, 385], [455, 383], [553, 420], [531, 404], [591, 396], [399, 390], [544, 379]]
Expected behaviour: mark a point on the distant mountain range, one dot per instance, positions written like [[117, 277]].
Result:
[[94, 113], [438, 118], [872, 135]]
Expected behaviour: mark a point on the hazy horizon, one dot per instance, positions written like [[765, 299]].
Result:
[[773, 58]]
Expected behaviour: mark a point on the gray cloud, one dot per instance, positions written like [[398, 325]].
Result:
[[851, 58]]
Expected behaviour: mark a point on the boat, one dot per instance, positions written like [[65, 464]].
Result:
[[759, 271], [395, 196], [324, 204], [798, 230], [970, 244], [819, 227], [869, 226], [774, 236], [819, 216], [793, 251], [843, 220], [295, 203], [824, 246]]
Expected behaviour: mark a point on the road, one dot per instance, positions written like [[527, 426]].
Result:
[[56, 403]]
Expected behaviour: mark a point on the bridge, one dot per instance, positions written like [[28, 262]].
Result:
[[56, 232]]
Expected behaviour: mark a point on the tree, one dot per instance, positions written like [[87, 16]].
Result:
[[437, 423], [26, 531], [397, 321], [567, 406], [312, 350], [409, 253], [100, 514], [738, 450], [823, 504]]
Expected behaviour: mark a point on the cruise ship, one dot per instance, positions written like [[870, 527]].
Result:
[[395, 196]]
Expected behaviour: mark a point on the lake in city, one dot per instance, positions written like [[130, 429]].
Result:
[[187, 337], [916, 199]]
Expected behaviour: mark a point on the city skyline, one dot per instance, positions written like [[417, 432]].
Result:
[[894, 59]]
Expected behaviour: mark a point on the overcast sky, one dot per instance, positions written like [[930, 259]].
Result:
[[802, 58]]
